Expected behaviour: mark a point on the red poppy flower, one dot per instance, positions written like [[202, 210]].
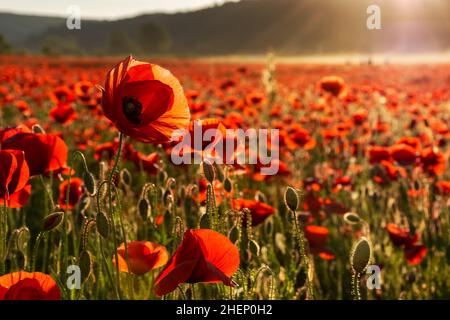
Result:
[[414, 253], [62, 94], [44, 153], [14, 175], [400, 236], [107, 149], [63, 113], [143, 256], [28, 286], [432, 161], [378, 154], [260, 211], [148, 163], [144, 101], [404, 154], [334, 85], [317, 237], [75, 192], [443, 187], [203, 256]]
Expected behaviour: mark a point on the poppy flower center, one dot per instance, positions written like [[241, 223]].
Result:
[[132, 109]]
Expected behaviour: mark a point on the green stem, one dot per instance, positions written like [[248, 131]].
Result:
[[3, 231], [35, 250], [304, 254], [110, 209]]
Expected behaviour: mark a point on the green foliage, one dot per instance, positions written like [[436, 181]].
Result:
[[5, 47]]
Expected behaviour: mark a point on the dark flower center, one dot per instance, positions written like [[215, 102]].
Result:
[[132, 109]]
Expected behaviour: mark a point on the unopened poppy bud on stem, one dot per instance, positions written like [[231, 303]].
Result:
[[291, 198], [52, 221], [360, 256], [208, 170], [103, 224]]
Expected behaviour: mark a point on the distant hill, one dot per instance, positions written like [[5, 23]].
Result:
[[253, 27]]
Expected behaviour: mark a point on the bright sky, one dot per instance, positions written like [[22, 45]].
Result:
[[103, 9]]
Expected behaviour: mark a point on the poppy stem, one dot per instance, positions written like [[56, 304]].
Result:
[[111, 216], [3, 231], [35, 250], [303, 253]]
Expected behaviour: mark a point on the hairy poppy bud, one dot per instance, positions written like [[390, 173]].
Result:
[[52, 221], [209, 171], [144, 208], [102, 224], [291, 198], [85, 263], [360, 256], [125, 177], [234, 234], [227, 185], [89, 183]]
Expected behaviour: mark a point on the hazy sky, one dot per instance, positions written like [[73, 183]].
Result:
[[107, 9]]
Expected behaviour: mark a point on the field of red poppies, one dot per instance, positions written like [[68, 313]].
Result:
[[94, 207]]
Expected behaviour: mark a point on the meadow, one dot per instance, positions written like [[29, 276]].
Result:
[[93, 207]]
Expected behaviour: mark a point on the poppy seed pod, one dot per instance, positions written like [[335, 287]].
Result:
[[360, 257]]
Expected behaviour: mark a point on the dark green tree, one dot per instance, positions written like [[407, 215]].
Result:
[[121, 43], [153, 38], [5, 47]]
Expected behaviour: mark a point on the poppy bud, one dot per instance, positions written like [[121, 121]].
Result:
[[52, 221], [227, 185], [103, 224], [89, 183], [234, 234], [291, 198], [360, 256], [144, 208], [125, 177], [352, 218], [85, 263], [22, 238], [208, 170]]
